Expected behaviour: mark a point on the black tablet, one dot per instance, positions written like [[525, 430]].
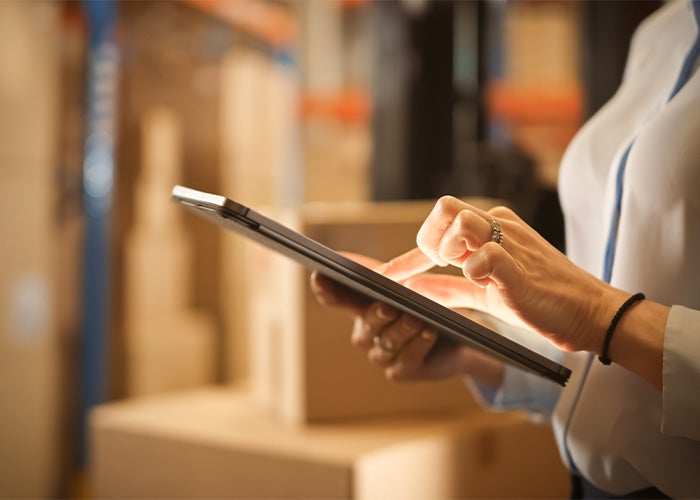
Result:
[[318, 257]]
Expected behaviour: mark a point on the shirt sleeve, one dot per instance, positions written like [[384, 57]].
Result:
[[520, 389], [681, 374]]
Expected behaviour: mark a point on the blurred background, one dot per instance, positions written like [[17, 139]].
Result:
[[144, 353]]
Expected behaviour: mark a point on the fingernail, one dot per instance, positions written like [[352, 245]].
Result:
[[427, 335], [410, 323], [385, 312]]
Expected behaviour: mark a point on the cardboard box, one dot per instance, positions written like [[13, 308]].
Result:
[[216, 443], [542, 43], [302, 365], [32, 392], [30, 377], [169, 345], [259, 133], [259, 166], [29, 90], [336, 159], [171, 353]]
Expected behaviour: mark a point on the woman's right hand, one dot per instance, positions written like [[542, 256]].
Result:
[[404, 347]]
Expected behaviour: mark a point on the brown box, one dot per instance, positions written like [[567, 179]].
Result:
[[30, 355], [32, 390], [168, 344], [336, 161], [215, 443], [170, 353], [302, 365]]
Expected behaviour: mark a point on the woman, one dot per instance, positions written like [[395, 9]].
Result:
[[628, 422]]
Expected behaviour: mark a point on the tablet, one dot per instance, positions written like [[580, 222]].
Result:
[[315, 256]]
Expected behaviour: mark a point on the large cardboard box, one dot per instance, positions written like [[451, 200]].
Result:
[[30, 347], [169, 344], [169, 353], [259, 166], [216, 443], [302, 365], [32, 388]]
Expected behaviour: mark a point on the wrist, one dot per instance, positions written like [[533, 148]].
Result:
[[605, 303], [630, 302], [637, 340], [482, 368]]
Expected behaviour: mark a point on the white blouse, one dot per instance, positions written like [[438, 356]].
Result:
[[611, 426]]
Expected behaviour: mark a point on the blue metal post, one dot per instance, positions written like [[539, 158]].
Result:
[[98, 175]]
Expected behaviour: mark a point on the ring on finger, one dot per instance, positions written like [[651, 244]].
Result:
[[496, 231], [384, 344]]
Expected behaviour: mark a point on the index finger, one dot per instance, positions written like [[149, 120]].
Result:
[[406, 265], [438, 221]]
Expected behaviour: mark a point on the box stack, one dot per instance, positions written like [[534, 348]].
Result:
[[260, 167], [540, 94], [305, 415], [335, 101], [169, 345], [35, 238], [216, 443], [303, 367]]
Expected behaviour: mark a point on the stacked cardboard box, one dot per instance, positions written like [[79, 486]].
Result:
[[169, 345], [542, 52], [31, 382], [259, 167], [215, 443], [302, 365], [274, 151]]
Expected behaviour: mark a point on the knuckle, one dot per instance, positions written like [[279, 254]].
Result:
[[379, 314], [465, 219], [445, 203], [490, 253], [409, 324], [501, 211]]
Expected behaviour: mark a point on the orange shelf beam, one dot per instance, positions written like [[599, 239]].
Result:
[[267, 21], [516, 103], [349, 106]]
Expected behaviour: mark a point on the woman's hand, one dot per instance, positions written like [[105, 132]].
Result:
[[401, 345], [521, 279]]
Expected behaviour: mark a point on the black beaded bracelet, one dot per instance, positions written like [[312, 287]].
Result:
[[604, 358]]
